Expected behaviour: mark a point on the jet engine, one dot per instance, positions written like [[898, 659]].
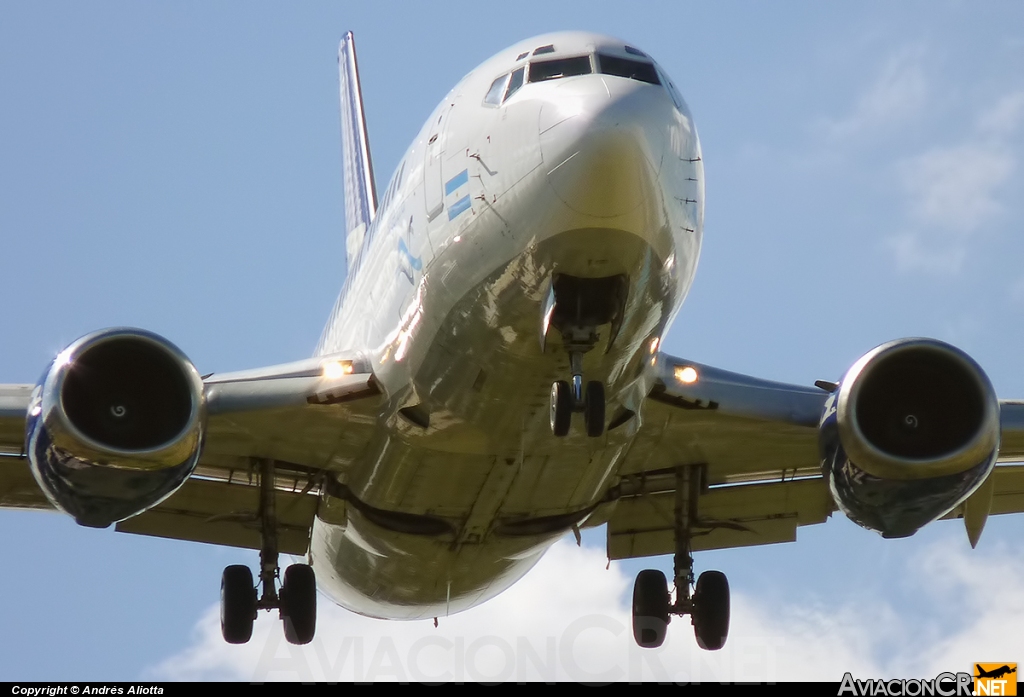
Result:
[[910, 432], [115, 426]]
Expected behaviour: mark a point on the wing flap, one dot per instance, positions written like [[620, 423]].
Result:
[[1011, 439], [18, 488], [14, 401], [1007, 494], [223, 513], [727, 516]]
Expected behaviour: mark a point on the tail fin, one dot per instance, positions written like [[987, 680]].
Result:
[[360, 191]]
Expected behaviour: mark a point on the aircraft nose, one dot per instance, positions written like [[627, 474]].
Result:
[[602, 139]]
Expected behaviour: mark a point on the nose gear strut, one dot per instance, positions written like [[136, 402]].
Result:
[[576, 307]]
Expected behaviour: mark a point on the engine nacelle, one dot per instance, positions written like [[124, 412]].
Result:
[[116, 425], [910, 433]]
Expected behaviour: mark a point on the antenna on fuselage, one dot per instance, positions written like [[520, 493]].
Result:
[[360, 191]]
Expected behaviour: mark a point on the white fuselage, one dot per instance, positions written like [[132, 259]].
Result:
[[592, 175]]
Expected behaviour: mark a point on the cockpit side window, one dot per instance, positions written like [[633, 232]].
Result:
[[515, 82], [497, 89], [677, 98], [560, 67], [627, 67]]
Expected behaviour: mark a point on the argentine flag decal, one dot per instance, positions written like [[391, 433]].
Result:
[[456, 194]]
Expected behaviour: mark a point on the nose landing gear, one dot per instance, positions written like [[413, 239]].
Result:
[[577, 307], [568, 398], [708, 605]]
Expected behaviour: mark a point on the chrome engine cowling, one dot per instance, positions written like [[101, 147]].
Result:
[[115, 425], [911, 431]]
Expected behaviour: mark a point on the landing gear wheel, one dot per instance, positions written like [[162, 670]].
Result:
[[298, 603], [237, 604], [650, 608], [711, 610], [561, 408], [593, 408]]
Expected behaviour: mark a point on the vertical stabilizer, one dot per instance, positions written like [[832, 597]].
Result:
[[360, 191]]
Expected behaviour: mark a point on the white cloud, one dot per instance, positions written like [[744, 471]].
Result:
[[898, 93], [917, 251], [1003, 118], [953, 192], [950, 194], [950, 191], [1017, 290], [569, 619], [955, 188]]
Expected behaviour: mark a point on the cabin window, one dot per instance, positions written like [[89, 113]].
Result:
[[627, 67], [515, 82], [522, 55], [560, 67], [497, 88], [550, 48]]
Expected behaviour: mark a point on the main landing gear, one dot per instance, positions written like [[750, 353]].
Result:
[[707, 605], [296, 601]]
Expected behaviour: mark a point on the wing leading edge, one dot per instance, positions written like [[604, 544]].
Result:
[[313, 417], [753, 441], [754, 444]]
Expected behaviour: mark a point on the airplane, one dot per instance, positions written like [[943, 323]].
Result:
[[995, 673], [490, 379]]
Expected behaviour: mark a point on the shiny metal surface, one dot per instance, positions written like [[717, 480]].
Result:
[[891, 492], [98, 475], [590, 176], [950, 365]]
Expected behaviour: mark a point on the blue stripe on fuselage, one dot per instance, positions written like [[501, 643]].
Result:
[[455, 182], [458, 207]]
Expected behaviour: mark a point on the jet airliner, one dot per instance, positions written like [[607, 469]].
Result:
[[490, 378]]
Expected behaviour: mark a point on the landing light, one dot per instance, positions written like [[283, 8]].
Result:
[[686, 374], [336, 369], [654, 344]]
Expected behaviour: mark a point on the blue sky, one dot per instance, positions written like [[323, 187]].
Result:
[[177, 167]]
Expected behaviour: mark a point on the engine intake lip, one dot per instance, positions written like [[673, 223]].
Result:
[[917, 408], [150, 379]]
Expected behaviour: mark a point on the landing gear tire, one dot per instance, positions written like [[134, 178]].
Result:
[[593, 408], [711, 610], [237, 604], [561, 408], [650, 608], [298, 604]]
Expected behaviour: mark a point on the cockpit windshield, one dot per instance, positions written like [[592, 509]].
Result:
[[560, 67], [554, 68], [627, 67]]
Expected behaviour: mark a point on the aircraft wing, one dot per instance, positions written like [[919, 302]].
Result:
[[309, 423], [754, 444]]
